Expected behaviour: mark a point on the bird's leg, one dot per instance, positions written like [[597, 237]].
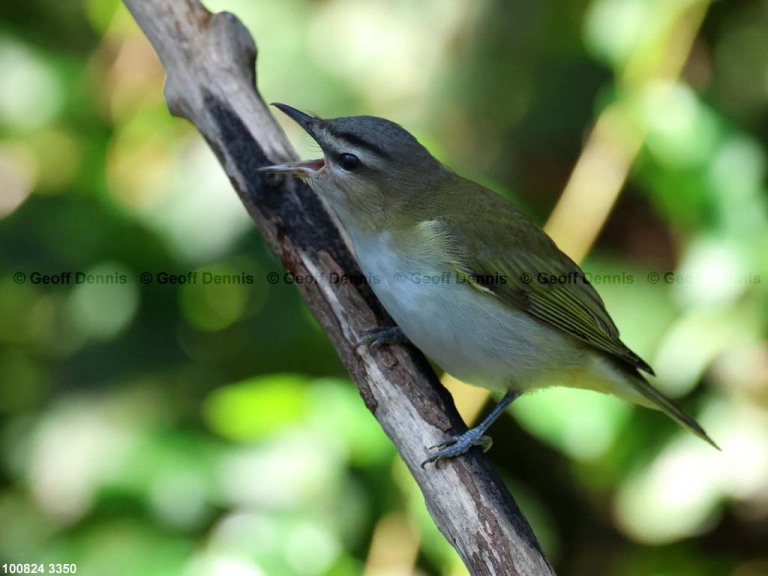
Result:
[[457, 445], [378, 336]]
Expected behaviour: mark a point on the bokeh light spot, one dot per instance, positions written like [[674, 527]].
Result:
[[258, 406], [104, 300], [30, 92], [217, 298]]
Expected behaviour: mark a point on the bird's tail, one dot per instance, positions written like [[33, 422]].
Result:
[[656, 399]]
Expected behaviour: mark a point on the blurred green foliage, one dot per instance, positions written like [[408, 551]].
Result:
[[179, 426]]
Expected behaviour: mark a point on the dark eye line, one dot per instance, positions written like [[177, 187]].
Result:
[[357, 142]]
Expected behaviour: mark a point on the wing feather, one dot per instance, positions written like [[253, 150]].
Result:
[[525, 280]]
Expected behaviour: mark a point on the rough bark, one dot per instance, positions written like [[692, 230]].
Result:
[[210, 80]]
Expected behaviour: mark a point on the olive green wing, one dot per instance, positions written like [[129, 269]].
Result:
[[532, 274]]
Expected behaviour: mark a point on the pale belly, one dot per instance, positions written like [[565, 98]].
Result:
[[472, 336]]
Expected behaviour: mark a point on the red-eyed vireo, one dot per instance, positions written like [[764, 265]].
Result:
[[468, 278]]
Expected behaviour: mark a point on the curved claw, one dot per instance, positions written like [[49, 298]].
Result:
[[458, 445], [376, 336]]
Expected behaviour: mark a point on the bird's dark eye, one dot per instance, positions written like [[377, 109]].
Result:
[[348, 161]]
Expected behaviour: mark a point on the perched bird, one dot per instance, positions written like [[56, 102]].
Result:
[[469, 279]]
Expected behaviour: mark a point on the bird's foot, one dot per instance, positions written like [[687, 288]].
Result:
[[458, 445], [378, 336]]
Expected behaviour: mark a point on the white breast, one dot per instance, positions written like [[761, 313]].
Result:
[[470, 335]]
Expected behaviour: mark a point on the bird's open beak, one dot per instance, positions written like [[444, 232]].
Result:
[[300, 169], [304, 168]]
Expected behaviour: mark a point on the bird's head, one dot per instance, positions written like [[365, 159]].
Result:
[[370, 168]]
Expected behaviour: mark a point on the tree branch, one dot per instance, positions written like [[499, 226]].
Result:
[[209, 61]]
